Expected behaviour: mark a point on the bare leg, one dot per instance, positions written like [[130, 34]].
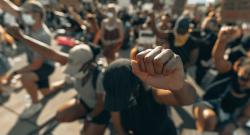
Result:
[[95, 129], [206, 119], [70, 111], [29, 83]]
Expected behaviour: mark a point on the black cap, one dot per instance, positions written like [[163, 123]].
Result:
[[119, 83], [182, 25]]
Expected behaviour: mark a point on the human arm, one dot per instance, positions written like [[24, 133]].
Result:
[[38, 46], [159, 34], [10, 7], [162, 69], [225, 35]]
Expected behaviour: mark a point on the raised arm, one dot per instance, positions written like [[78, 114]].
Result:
[[10, 7], [225, 35], [163, 70], [160, 34], [77, 18], [40, 47]]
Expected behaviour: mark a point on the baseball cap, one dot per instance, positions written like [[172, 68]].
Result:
[[34, 6], [182, 25], [78, 56], [119, 83]]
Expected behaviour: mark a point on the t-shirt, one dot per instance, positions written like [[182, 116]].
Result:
[[144, 116], [207, 41], [43, 35], [222, 91], [87, 92], [185, 51]]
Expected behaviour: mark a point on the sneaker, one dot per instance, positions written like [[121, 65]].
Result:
[[31, 111]]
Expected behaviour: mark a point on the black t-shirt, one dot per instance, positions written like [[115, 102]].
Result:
[[185, 51], [222, 92], [144, 116], [206, 43], [231, 103]]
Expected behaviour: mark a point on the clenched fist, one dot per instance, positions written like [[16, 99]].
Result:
[[160, 68]]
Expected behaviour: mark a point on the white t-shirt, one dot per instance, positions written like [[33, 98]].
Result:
[[87, 92]]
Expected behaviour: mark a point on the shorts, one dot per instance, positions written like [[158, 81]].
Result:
[[102, 119], [4, 65], [43, 74]]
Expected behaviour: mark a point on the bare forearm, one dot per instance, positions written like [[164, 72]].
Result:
[[219, 49], [9, 7], [27, 68], [98, 109], [185, 96], [44, 50], [218, 56]]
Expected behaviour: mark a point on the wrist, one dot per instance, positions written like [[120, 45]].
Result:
[[222, 41]]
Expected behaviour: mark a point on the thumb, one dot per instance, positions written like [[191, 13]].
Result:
[[136, 70]]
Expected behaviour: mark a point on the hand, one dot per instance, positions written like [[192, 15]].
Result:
[[15, 32], [227, 33], [160, 68]]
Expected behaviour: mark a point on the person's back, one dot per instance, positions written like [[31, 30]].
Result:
[[145, 116]]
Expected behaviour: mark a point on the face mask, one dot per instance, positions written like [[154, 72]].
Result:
[[28, 19], [9, 20], [110, 15]]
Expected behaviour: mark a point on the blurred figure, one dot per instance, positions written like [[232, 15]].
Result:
[[35, 76], [146, 39], [164, 26], [86, 76], [181, 41], [6, 49], [137, 94], [207, 35], [88, 24], [112, 33], [231, 107]]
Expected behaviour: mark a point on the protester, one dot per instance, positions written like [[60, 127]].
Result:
[[112, 33], [165, 25], [170, 55], [180, 40], [207, 35], [87, 79], [230, 109], [35, 76], [138, 99]]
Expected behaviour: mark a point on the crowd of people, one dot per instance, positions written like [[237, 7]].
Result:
[[134, 93]]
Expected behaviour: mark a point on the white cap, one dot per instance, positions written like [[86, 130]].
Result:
[[78, 56]]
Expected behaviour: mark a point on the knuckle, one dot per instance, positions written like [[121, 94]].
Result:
[[148, 59], [157, 61]]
